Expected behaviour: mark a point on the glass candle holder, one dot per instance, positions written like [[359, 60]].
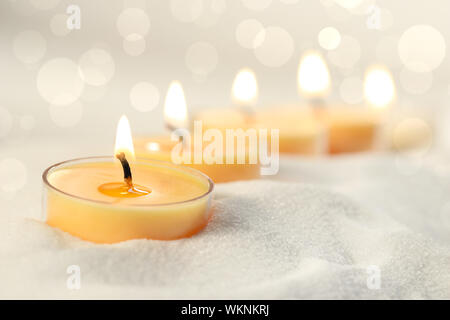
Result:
[[178, 205]]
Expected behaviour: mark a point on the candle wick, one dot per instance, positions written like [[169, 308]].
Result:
[[172, 128], [126, 168], [248, 112], [317, 102]]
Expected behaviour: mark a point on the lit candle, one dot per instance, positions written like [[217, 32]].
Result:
[[107, 200], [244, 93], [162, 147], [405, 129], [313, 78], [350, 128], [299, 130]]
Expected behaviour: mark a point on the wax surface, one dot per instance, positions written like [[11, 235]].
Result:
[[216, 171], [167, 185], [300, 132], [351, 129]]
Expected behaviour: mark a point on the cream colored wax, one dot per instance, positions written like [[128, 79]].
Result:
[[178, 205]]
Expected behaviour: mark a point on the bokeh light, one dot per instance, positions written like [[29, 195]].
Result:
[[144, 96], [29, 46], [276, 49], [421, 48], [132, 21], [59, 82], [248, 31], [201, 58], [96, 67], [329, 38]]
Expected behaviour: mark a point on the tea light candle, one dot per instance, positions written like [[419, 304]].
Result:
[[244, 95], [161, 147], [99, 200], [299, 130], [350, 128]]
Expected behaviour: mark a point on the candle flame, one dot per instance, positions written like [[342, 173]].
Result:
[[379, 87], [153, 146], [175, 110], [313, 77], [245, 87], [124, 141]]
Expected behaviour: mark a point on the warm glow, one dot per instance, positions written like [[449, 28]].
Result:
[[175, 110], [153, 146], [379, 88], [124, 141], [349, 4], [313, 77], [245, 88]]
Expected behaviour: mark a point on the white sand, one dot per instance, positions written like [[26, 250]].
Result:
[[268, 239]]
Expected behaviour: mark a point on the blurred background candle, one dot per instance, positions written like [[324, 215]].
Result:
[[349, 128], [161, 147], [313, 78], [358, 128], [299, 130], [244, 94], [89, 198]]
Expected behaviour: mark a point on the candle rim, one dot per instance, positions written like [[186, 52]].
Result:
[[167, 164]]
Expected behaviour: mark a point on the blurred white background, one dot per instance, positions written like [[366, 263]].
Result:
[[62, 92], [129, 51]]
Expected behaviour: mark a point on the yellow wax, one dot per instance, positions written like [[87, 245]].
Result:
[[351, 129], [412, 133], [224, 118], [160, 148], [178, 205], [299, 130]]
